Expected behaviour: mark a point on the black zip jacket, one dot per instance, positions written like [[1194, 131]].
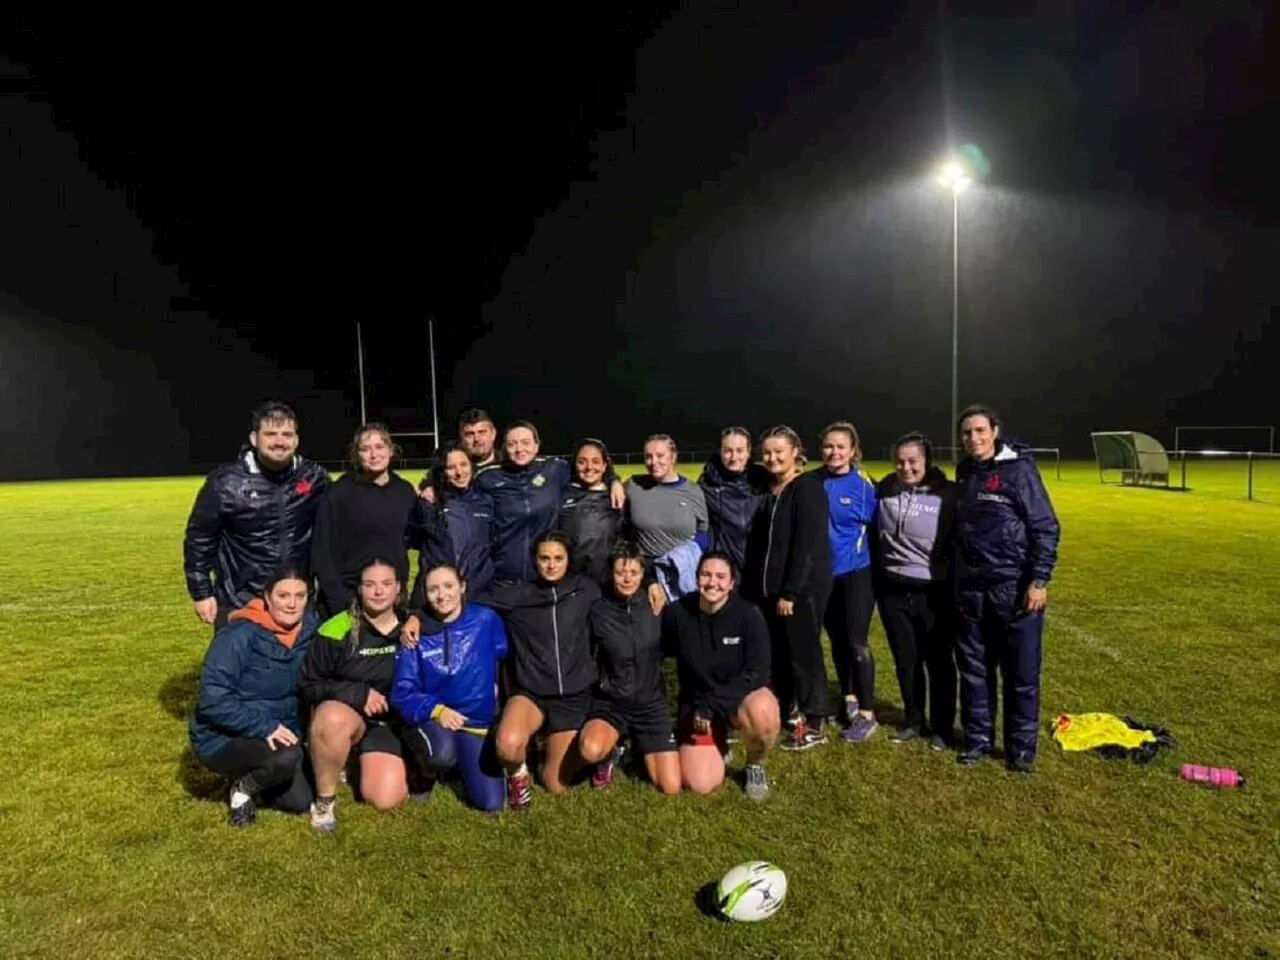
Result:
[[627, 637], [592, 526], [246, 523], [721, 657], [733, 503], [359, 520], [789, 554], [549, 633], [336, 670]]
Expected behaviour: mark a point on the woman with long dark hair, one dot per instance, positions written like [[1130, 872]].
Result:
[[455, 527], [1007, 539], [365, 514], [914, 519], [587, 514], [790, 576], [346, 682]]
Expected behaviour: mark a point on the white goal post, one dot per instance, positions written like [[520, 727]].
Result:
[[1248, 436]]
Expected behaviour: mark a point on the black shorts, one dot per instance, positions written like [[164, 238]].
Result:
[[646, 722], [380, 738], [561, 713]]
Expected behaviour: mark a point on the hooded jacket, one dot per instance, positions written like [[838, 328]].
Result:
[[549, 633], [246, 523], [1006, 528], [588, 518], [337, 669], [734, 500], [627, 638], [721, 656], [458, 530], [789, 554], [454, 665], [913, 527]]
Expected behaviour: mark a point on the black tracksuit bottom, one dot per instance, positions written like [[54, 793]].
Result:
[[799, 668], [277, 778], [920, 624], [848, 622]]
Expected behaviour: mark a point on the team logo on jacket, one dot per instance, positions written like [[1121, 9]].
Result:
[[731, 641], [846, 501], [992, 482], [302, 487], [539, 480]]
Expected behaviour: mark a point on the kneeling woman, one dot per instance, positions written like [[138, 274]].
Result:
[[444, 687], [630, 696], [346, 681], [722, 645], [245, 725]]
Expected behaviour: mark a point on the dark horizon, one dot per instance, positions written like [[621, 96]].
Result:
[[638, 222]]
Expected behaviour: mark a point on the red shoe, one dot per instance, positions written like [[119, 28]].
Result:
[[519, 791]]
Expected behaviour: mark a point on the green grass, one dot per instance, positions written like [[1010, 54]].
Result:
[[1164, 607]]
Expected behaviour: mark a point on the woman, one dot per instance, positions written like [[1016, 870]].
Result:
[[913, 528], [587, 514], [245, 726], [722, 649], [345, 682], [734, 489], [667, 518], [851, 508], [527, 491], [365, 513], [630, 697], [1007, 535], [444, 688], [455, 527], [789, 559]]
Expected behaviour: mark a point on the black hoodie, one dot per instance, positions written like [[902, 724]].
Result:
[[627, 636], [548, 633], [590, 521], [789, 554], [722, 656]]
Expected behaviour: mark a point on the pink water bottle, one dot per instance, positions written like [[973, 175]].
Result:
[[1214, 776]]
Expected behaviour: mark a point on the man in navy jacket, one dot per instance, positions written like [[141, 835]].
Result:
[[1007, 546]]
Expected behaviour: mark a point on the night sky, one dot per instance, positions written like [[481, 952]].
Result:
[[666, 219]]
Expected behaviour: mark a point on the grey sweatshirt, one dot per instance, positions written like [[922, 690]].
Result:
[[913, 527], [664, 515]]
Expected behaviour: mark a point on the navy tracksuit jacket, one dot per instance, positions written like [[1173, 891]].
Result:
[[1006, 538]]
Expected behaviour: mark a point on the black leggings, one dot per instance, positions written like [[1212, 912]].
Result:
[[278, 778], [799, 669], [920, 623], [848, 620]]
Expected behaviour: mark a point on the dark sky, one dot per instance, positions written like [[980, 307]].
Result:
[[633, 221]]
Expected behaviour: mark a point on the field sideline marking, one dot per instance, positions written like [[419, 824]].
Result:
[[1085, 637], [126, 606]]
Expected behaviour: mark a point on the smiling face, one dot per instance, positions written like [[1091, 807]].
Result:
[[444, 593], [552, 561], [521, 446], [275, 442], [374, 453], [838, 451], [379, 588], [715, 582], [780, 456], [286, 602], [979, 436], [660, 460], [735, 452], [589, 464], [457, 470], [909, 464]]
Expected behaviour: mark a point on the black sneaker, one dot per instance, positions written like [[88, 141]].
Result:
[[971, 756], [1020, 763], [905, 735], [245, 812], [804, 737]]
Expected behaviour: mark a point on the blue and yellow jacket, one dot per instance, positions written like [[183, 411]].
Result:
[[851, 509], [454, 665]]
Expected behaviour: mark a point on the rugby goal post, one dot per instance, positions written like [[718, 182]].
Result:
[[1129, 457], [411, 438]]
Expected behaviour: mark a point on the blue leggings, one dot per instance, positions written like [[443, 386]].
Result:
[[442, 750]]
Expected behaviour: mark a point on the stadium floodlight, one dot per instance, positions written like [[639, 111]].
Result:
[[955, 175]]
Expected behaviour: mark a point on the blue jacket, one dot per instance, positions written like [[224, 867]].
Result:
[[851, 509], [248, 685], [1006, 528], [526, 503], [733, 503], [454, 665], [458, 531]]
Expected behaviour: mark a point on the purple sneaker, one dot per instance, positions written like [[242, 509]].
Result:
[[603, 777], [861, 729]]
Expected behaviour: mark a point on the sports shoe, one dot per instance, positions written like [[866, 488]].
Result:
[[862, 728], [322, 817], [519, 791], [904, 735], [938, 743], [603, 777], [804, 737], [732, 735], [1020, 763], [971, 756], [241, 810], [757, 784], [794, 717]]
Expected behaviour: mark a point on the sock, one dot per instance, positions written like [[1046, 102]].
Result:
[[325, 800], [238, 796], [521, 771], [851, 706]]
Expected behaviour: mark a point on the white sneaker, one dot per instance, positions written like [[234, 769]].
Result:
[[322, 817]]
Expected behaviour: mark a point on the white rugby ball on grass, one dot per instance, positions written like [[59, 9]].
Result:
[[751, 891]]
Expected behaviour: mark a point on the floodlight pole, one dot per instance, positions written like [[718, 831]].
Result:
[[360, 373], [955, 323], [435, 414]]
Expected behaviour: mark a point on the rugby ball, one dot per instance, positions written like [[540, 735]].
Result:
[[751, 891]]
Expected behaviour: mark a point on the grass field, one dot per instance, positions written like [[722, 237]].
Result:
[[1164, 607]]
